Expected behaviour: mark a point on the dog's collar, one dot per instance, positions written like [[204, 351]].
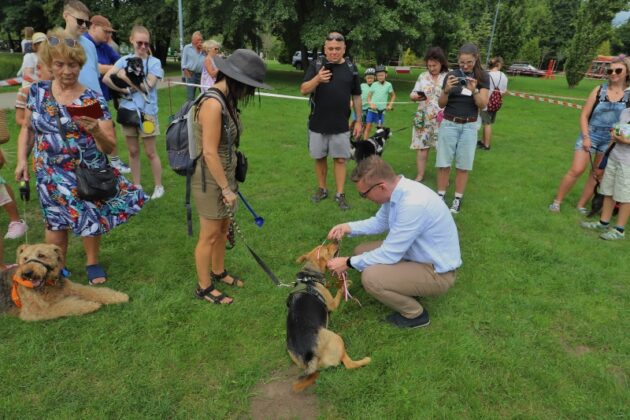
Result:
[[19, 281], [310, 276]]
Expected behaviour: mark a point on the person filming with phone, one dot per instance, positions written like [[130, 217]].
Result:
[[426, 122], [331, 83], [464, 94]]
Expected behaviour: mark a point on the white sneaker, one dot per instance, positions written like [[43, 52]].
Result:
[[16, 229], [456, 205], [157, 192], [120, 165]]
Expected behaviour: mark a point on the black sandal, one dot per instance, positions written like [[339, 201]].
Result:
[[209, 297], [221, 277]]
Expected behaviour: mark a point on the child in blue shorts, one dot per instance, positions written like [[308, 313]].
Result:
[[380, 99], [370, 76]]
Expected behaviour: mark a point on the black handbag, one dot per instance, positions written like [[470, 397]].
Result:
[[128, 117], [92, 183], [241, 166], [96, 183]]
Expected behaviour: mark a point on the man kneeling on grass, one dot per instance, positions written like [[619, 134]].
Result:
[[421, 252]]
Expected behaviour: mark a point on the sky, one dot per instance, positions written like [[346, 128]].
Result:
[[621, 18]]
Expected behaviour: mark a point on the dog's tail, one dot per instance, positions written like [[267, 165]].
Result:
[[305, 381], [309, 377]]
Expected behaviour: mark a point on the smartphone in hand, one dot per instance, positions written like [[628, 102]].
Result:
[[422, 95]]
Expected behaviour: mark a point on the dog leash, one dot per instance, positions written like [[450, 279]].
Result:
[[343, 277], [259, 260]]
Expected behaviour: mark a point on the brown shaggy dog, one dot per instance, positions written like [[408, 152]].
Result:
[[310, 344], [41, 291]]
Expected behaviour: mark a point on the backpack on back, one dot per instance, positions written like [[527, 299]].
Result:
[[496, 99]]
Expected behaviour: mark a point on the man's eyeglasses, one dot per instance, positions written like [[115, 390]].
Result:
[[141, 44], [616, 71], [366, 192], [82, 22], [336, 37], [53, 41]]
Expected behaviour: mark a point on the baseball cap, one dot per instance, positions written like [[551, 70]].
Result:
[[102, 21], [38, 37]]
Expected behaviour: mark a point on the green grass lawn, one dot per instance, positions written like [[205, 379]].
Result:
[[536, 325]]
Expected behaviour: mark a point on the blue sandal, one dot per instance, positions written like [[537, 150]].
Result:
[[94, 272]]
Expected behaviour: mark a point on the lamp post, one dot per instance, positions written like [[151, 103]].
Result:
[[494, 26], [180, 18]]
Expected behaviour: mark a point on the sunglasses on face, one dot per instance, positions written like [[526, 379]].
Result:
[[335, 38], [141, 44], [616, 71], [82, 22], [366, 192], [53, 41]]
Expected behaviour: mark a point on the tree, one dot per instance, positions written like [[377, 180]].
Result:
[[16, 14], [593, 26], [511, 29], [531, 52], [562, 27], [620, 42]]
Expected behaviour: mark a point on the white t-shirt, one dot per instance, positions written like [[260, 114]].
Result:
[[621, 152], [29, 61], [498, 80]]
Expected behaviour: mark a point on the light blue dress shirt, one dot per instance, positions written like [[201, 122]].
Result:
[[421, 229], [192, 59], [89, 72]]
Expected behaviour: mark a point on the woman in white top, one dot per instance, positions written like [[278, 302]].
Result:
[[29, 62], [209, 72], [426, 92], [498, 81]]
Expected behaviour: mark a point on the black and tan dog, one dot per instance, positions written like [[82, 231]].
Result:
[[310, 344], [34, 290]]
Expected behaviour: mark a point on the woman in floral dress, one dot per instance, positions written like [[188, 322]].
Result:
[[61, 142], [426, 122]]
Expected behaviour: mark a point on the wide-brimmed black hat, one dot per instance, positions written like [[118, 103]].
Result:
[[244, 66]]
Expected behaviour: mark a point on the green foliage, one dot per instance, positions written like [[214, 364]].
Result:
[[409, 58], [604, 48], [531, 51], [593, 26], [511, 29], [620, 42], [562, 28]]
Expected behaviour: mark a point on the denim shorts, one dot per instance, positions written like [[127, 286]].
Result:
[[377, 117], [456, 142], [333, 145], [600, 139]]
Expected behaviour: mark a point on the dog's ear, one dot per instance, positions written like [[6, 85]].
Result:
[[301, 258], [59, 252]]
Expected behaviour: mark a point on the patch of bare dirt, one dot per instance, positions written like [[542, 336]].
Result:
[[274, 398]]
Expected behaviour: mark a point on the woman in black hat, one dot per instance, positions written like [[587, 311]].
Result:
[[217, 128]]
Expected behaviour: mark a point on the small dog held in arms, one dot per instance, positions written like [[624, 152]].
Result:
[[311, 345], [361, 149], [35, 290], [134, 70]]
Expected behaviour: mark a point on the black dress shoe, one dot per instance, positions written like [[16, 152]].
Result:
[[400, 321]]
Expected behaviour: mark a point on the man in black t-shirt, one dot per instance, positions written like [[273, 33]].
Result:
[[332, 82]]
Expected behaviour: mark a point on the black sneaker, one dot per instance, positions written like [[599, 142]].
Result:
[[319, 195], [400, 321], [341, 200], [456, 205], [480, 144]]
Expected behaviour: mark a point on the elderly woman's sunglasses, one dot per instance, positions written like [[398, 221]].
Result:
[[53, 41], [618, 70]]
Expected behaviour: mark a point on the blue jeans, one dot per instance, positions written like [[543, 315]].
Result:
[[456, 141], [190, 90]]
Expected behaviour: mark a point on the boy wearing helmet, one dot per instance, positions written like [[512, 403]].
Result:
[[380, 98], [369, 76]]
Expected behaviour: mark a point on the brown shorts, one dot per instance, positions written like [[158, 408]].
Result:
[[133, 131], [210, 203]]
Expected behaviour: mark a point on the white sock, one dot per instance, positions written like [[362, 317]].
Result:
[[459, 195]]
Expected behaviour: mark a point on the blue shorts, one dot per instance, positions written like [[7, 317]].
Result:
[[600, 139], [456, 142], [377, 117], [363, 116]]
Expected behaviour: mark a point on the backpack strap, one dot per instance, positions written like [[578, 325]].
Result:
[[603, 91]]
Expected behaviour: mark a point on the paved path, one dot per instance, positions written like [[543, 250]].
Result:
[[7, 99]]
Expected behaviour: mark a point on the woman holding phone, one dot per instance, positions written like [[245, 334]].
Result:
[[464, 94], [426, 122]]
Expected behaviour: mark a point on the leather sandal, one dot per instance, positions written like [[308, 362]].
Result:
[[237, 281], [205, 294]]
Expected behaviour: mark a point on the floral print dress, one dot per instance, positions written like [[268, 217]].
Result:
[[55, 160], [426, 121]]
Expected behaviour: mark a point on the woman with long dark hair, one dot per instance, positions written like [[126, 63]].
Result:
[[214, 186], [464, 93], [426, 92]]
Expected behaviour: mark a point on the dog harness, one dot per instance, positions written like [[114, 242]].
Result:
[[305, 283], [18, 281]]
